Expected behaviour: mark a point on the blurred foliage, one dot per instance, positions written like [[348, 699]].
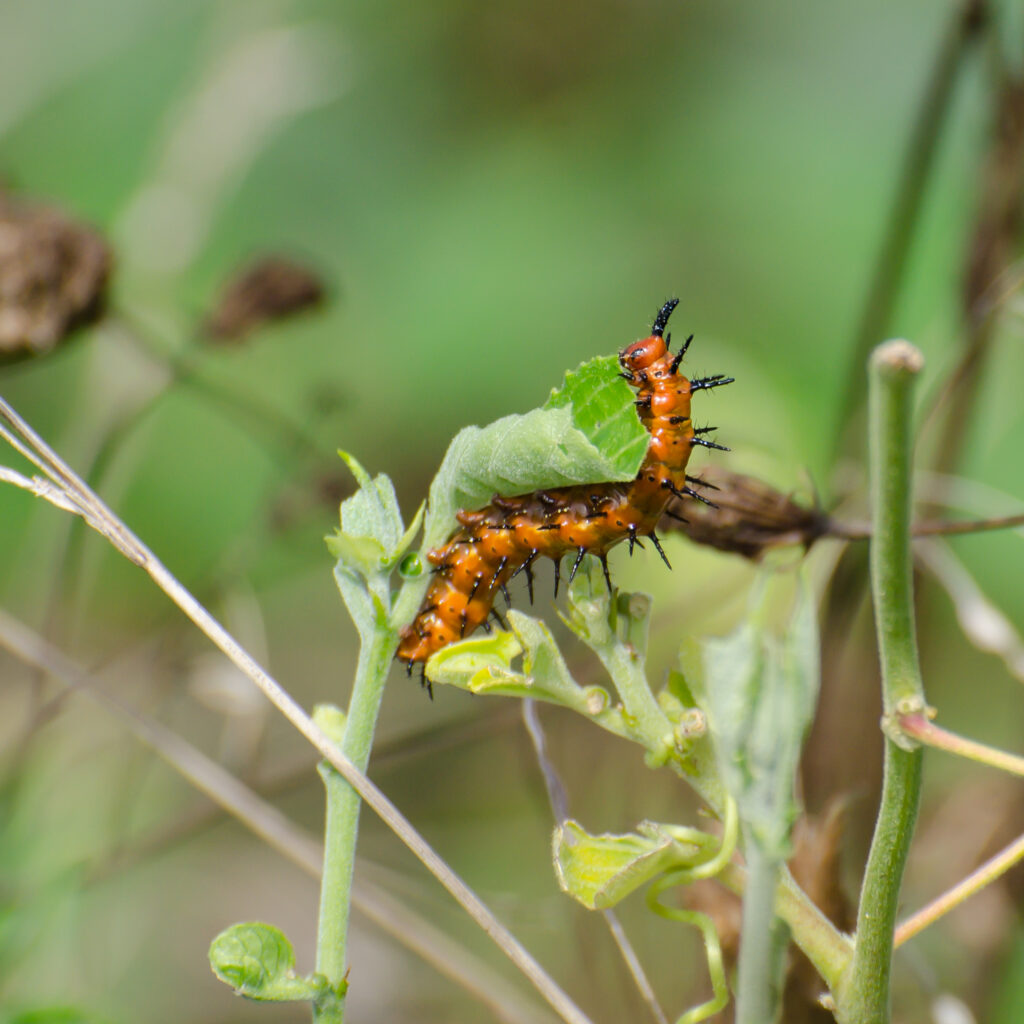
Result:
[[490, 193]]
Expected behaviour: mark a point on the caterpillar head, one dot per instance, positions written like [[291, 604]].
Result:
[[642, 354]]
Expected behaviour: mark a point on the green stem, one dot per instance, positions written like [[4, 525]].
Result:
[[822, 943], [342, 819], [863, 994], [646, 718], [818, 938], [759, 991]]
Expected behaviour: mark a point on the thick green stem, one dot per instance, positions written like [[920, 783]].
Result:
[[763, 945], [342, 819], [863, 993]]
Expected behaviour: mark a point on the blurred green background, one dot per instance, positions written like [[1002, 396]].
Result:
[[491, 193]]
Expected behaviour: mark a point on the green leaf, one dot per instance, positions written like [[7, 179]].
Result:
[[371, 538], [258, 962], [603, 411], [480, 665], [330, 719], [588, 432], [759, 692], [364, 599], [484, 665], [599, 871]]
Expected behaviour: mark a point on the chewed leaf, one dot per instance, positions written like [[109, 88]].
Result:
[[588, 432], [603, 411], [258, 962], [598, 871]]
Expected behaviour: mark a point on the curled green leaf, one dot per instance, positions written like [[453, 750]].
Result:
[[258, 962], [484, 665], [481, 665], [601, 870]]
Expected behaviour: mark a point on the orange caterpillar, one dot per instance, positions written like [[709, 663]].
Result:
[[503, 539]]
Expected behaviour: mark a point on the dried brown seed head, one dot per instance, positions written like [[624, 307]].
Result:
[[53, 277], [749, 516], [272, 288]]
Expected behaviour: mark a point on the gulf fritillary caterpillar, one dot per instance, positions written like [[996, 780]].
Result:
[[503, 539]]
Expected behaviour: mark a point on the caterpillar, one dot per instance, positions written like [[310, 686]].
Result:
[[498, 542]]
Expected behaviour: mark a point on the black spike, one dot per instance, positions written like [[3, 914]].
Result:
[[657, 545], [504, 594], [675, 515], [607, 576], [708, 444], [627, 376], [686, 492], [703, 430], [643, 403], [661, 320], [497, 617], [558, 574], [580, 552], [499, 570], [476, 586], [702, 483], [408, 668], [682, 352], [707, 383], [527, 567], [487, 627], [634, 541], [678, 419], [463, 619]]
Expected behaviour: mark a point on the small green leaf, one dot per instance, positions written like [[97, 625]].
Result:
[[480, 665], [258, 962], [758, 691], [365, 600], [591, 613], [599, 871], [484, 665], [371, 538], [330, 719]]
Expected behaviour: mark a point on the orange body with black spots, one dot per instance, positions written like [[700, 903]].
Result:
[[507, 536]]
